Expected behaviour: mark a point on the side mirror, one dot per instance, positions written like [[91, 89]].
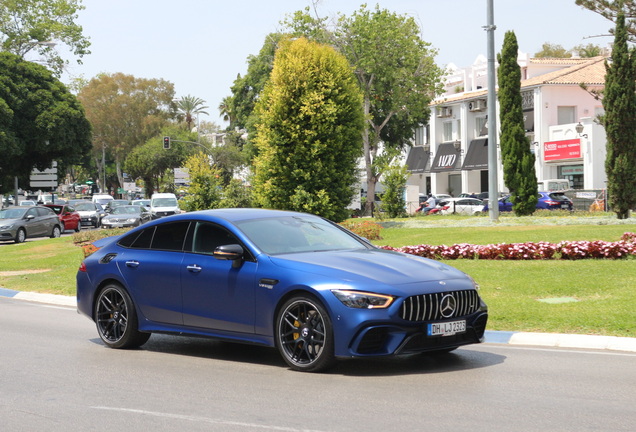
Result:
[[30, 217], [232, 252]]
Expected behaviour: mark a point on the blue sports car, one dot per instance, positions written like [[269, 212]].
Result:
[[293, 281]]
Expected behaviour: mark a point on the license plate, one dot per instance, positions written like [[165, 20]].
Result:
[[564, 206], [446, 328]]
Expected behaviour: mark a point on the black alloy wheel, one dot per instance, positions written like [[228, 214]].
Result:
[[304, 335], [116, 319]]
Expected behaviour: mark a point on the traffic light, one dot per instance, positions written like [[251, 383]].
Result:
[[166, 142]]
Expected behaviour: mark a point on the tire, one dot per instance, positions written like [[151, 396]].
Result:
[[116, 319], [20, 236], [78, 228], [304, 335], [56, 232]]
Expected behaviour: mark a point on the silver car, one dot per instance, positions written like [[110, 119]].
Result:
[[18, 223]]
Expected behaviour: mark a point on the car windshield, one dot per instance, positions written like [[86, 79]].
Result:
[[15, 213], [164, 202], [86, 206], [127, 210], [298, 234]]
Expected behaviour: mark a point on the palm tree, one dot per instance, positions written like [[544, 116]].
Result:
[[189, 106], [225, 108]]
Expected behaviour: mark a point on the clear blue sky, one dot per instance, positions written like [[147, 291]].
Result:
[[201, 45]]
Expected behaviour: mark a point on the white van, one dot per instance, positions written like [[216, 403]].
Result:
[[102, 199], [164, 204]]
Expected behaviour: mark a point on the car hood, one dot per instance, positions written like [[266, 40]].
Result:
[[86, 212], [366, 266], [9, 221]]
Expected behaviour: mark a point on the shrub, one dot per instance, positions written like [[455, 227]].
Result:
[[367, 229]]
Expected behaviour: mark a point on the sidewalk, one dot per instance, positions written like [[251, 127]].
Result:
[[612, 343]]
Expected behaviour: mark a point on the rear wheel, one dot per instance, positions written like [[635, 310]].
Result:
[[78, 228], [56, 232], [304, 335], [116, 319]]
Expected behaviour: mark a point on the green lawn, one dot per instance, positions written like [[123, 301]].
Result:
[[601, 293]]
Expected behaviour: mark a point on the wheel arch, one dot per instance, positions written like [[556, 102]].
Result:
[[102, 285]]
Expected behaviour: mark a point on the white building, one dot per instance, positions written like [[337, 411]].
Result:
[[450, 155]]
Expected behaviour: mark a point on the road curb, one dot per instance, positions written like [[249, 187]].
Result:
[[612, 343]]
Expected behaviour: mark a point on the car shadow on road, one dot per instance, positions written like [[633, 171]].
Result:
[[460, 359]]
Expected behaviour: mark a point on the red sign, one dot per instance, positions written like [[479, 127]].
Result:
[[567, 149]]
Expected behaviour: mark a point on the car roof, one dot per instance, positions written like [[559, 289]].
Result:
[[239, 214]]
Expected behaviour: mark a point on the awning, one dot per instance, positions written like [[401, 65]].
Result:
[[446, 158], [416, 160], [477, 156], [528, 120]]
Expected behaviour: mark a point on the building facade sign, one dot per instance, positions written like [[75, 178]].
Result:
[[560, 150]]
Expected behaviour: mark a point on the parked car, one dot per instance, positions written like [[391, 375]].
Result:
[[547, 201], [554, 201], [126, 216], [466, 206], [91, 213], [505, 205], [20, 223], [27, 203], [69, 218], [289, 280], [113, 204]]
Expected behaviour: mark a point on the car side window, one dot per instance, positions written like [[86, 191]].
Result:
[[138, 240], [207, 237], [45, 211], [170, 236], [32, 212]]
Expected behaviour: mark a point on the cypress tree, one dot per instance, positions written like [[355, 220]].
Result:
[[619, 102], [518, 161], [309, 132]]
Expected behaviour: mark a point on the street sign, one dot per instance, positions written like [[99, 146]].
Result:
[[41, 184], [43, 177]]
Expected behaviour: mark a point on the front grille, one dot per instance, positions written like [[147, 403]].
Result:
[[427, 307]]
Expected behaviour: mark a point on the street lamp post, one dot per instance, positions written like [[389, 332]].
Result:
[[493, 190]]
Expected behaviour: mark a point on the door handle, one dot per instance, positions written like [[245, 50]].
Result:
[[194, 268], [133, 264]]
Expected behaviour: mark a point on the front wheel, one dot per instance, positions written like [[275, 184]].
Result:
[[116, 319], [20, 236], [304, 335]]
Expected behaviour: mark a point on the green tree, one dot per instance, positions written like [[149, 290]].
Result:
[[393, 201], [518, 160], [40, 121], [589, 50], [204, 191], [151, 162], [610, 9], [236, 195], [549, 50], [396, 72], [125, 112], [32, 25], [308, 132], [619, 102], [189, 108]]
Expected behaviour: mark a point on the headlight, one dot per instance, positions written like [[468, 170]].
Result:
[[6, 227], [131, 220], [363, 300]]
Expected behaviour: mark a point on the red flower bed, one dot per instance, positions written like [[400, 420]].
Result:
[[623, 248]]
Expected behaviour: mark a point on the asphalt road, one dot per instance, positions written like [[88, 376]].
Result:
[[57, 376]]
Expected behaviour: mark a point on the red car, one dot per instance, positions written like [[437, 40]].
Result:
[[68, 216]]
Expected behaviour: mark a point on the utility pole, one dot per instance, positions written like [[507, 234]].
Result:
[[493, 189]]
